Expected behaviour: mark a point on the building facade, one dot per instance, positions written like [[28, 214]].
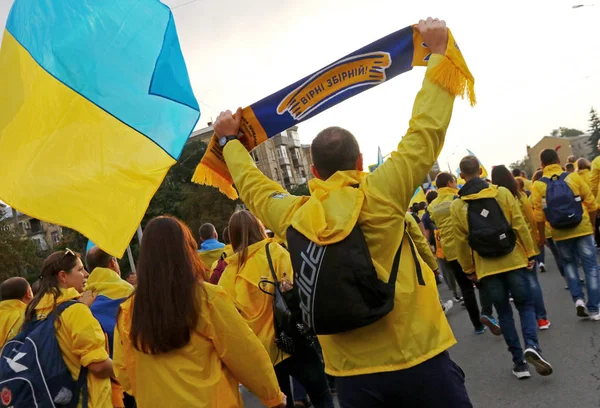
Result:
[[578, 146], [282, 158], [44, 234]]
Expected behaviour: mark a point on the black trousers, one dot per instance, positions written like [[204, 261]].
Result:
[[468, 293], [436, 383], [308, 369]]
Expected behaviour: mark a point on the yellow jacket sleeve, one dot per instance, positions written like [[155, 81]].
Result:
[[421, 243], [460, 227], [536, 202], [595, 176], [241, 351], [264, 197], [399, 176], [123, 357], [517, 220], [587, 197], [89, 341], [529, 216]]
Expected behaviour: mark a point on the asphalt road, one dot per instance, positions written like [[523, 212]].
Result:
[[571, 345]]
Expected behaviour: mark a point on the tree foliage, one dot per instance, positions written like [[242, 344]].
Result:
[[300, 190], [566, 132], [524, 165], [19, 256], [594, 129]]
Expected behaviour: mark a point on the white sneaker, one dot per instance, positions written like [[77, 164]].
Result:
[[542, 267], [580, 306], [595, 316], [446, 306]]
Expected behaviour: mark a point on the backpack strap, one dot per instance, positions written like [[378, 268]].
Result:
[[563, 176], [415, 258], [271, 267]]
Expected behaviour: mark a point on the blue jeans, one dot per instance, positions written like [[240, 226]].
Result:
[[559, 263], [531, 277], [498, 288], [581, 248]]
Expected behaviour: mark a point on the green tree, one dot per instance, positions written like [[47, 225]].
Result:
[[524, 165], [594, 129], [300, 190], [566, 132], [19, 256]]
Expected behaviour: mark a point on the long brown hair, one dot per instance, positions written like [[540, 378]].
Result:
[[166, 308], [48, 283], [502, 177], [244, 230]]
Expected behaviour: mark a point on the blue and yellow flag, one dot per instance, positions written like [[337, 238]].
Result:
[[95, 107], [484, 173], [363, 69], [372, 167], [418, 197]]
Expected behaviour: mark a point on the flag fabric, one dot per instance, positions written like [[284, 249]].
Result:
[[484, 173], [95, 107], [365, 68], [418, 197], [372, 167]]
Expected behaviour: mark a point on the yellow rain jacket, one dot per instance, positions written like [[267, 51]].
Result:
[[529, 214], [439, 210], [210, 257], [416, 329], [228, 251], [586, 175], [580, 188], [595, 176], [81, 342], [12, 314], [242, 285], [469, 259], [108, 283], [204, 373], [421, 244]]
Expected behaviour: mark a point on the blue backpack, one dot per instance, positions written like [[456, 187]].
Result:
[[105, 310], [33, 372], [563, 208]]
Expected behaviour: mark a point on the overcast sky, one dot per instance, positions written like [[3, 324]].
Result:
[[533, 62]]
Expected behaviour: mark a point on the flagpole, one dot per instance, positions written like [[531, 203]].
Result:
[[139, 233], [131, 262]]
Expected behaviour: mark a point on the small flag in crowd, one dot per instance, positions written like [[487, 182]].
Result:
[[365, 68], [95, 107]]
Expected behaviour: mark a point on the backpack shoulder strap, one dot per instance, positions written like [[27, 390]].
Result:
[[563, 176], [545, 180], [271, 267], [396, 265]]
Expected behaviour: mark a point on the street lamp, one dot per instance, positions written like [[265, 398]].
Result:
[[576, 6]]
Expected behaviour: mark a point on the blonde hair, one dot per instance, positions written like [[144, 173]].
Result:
[[244, 230]]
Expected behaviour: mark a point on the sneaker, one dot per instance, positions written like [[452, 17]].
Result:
[[595, 316], [544, 324], [481, 330], [446, 306], [491, 324], [457, 299], [521, 370], [580, 306], [534, 357], [542, 267]]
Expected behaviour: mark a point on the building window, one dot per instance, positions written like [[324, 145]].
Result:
[[55, 237]]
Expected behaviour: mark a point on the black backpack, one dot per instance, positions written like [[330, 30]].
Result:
[[336, 288], [490, 234]]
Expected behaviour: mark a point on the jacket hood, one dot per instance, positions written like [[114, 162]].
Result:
[[332, 210], [476, 189], [108, 283], [12, 304], [46, 304], [234, 258]]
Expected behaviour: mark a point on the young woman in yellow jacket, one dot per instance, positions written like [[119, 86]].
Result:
[[246, 268], [501, 176], [80, 336], [179, 341]]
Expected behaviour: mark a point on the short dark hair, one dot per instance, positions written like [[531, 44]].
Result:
[[14, 289], [225, 236], [516, 173], [443, 179], [431, 195], [469, 166], [207, 231], [422, 205], [570, 167], [97, 258], [548, 157], [334, 149]]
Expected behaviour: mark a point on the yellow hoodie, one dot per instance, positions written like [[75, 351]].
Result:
[[416, 329], [242, 284], [469, 259], [580, 188], [81, 342], [210, 257], [204, 373], [108, 283], [421, 244], [529, 215], [12, 314], [586, 175], [594, 176], [439, 210]]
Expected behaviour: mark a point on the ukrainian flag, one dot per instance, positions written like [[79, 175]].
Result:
[[95, 107]]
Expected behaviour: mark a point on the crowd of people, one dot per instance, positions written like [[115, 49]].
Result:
[[199, 321]]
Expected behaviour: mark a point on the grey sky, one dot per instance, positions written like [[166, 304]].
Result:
[[533, 62]]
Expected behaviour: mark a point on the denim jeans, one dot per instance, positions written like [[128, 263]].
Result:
[[559, 262], [498, 288], [531, 277], [581, 248], [436, 383]]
